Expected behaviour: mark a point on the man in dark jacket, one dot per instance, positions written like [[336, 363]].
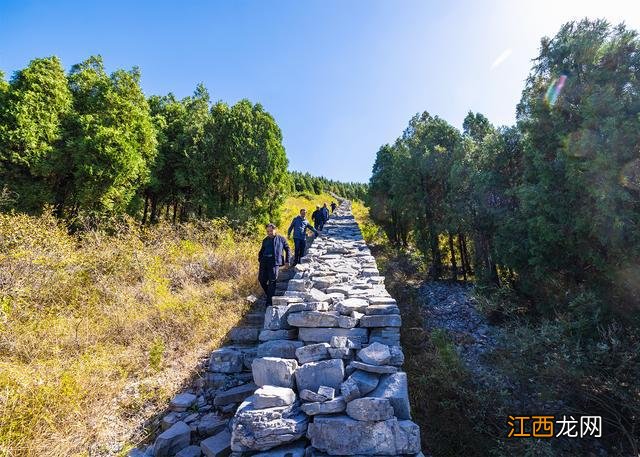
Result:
[[299, 226], [316, 217], [325, 215], [333, 206], [274, 248]]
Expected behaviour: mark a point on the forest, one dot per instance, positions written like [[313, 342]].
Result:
[[549, 206], [542, 216], [91, 146]]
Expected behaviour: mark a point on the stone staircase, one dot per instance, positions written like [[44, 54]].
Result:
[[325, 378]]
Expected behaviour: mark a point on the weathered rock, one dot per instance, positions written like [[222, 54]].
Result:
[[296, 449], [182, 402], [298, 285], [347, 322], [324, 335], [397, 356], [370, 409], [352, 304], [173, 440], [394, 387], [244, 334], [234, 395], [269, 335], [275, 317], [190, 451], [375, 354], [263, 429], [226, 360], [366, 382], [274, 371], [285, 349], [316, 295], [285, 300], [381, 300], [349, 390], [322, 282], [210, 424], [312, 375], [380, 369], [169, 419], [308, 395], [344, 342], [312, 319], [337, 405], [270, 396], [312, 353], [381, 320], [342, 435], [385, 335], [218, 445], [381, 309], [328, 392], [340, 353]]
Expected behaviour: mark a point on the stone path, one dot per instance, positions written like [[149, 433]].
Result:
[[325, 379]]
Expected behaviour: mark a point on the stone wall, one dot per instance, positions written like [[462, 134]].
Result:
[[328, 366], [317, 373]]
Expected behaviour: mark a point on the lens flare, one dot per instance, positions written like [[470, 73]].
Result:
[[554, 89]]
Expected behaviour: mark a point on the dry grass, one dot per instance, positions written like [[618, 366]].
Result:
[[98, 331], [295, 203]]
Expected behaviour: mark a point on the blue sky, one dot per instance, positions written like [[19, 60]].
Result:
[[341, 77]]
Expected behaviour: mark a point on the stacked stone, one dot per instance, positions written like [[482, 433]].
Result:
[[328, 368]]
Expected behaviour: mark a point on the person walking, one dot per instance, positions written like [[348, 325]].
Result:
[[299, 226], [333, 206], [273, 254], [325, 215], [316, 217]]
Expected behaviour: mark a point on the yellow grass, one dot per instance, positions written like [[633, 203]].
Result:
[[98, 331]]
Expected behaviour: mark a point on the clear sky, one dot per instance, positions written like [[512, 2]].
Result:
[[341, 77]]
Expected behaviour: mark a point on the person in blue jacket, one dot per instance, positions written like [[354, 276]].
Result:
[[299, 226], [273, 254]]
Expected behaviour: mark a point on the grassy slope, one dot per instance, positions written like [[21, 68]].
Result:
[[98, 332]]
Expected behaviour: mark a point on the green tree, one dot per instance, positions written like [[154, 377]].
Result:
[[33, 109], [110, 141]]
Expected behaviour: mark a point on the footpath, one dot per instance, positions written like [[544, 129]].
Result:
[[318, 373]]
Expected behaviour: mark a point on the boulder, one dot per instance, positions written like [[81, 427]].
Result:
[[182, 402], [262, 429], [370, 409], [312, 375], [234, 395], [270, 396], [275, 317], [285, 349], [172, 440], [218, 445], [312, 353], [337, 405], [328, 392], [312, 319], [296, 449], [381, 309], [379, 369], [352, 304], [394, 387], [381, 300], [274, 371], [397, 356], [308, 395], [347, 322], [226, 360], [244, 335], [342, 435], [269, 335], [381, 320], [210, 424], [344, 342], [340, 353], [190, 451], [375, 354], [324, 335], [366, 381]]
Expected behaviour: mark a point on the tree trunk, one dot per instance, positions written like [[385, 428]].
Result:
[[463, 260], [454, 265], [146, 208], [175, 212], [465, 250]]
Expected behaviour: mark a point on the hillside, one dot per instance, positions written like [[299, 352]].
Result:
[[98, 331]]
